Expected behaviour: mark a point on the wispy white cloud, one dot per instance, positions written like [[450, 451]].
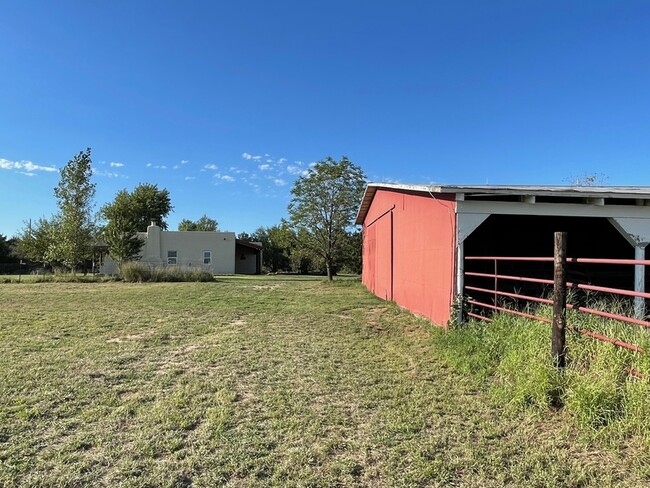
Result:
[[28, 167], [106, 174], [256, 158], [279, 182], [116, 164], [184, 161], [294, 170], [223, 177], [247, 156], [188, 178], [211, 166], [264, 167], [176, 166], [156, 166]]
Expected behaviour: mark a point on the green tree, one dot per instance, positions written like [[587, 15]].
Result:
[[36, 241], [302, 258], [76, 225], [150, 205], [350, 255], [205, 223], [276, 244], [120, 231], [7, 248], [323, 205]]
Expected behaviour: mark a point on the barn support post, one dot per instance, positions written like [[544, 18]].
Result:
[[466, 223], [558, 346], [460, 279], [637, 232], [639, 281]]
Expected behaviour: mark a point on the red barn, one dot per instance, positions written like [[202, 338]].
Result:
[[415, 237]]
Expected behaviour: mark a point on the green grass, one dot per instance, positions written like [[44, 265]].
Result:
[[511, 357], [262, 381]]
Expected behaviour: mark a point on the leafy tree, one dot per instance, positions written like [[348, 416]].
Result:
[[350, 256], [324, 204], [205, 223], [36, 241], [7, 248], [149, 204], [276, 243], [588, 179], [75, 229], [302, 258], [120, 231], [244, 236]]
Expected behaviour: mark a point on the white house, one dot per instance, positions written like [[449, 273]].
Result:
[[217, 252]]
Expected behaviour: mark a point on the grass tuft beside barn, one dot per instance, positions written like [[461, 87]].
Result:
[[263, 381]]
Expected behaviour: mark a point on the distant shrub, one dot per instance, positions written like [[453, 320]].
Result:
[[61, 277], [134, 272]]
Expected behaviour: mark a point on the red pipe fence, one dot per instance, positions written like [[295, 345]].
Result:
[[558, 302]]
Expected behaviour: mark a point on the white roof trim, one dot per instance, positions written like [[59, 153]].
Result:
[[594, 192]]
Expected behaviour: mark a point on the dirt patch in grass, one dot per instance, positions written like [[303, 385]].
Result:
[[273, 286], [130, 337]]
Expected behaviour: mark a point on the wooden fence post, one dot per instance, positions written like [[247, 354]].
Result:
[[558, 347]]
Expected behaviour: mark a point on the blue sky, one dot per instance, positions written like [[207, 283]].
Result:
[[226, 103]]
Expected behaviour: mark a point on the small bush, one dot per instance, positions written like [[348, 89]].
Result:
[[134, 272]]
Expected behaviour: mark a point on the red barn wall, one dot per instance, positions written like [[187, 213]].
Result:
[[409, 251]]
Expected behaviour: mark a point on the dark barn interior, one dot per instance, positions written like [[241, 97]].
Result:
[[533, 236]]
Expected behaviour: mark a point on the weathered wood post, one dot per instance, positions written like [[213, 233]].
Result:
[[558, 347]]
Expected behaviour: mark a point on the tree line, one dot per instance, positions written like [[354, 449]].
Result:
[[317, 236]]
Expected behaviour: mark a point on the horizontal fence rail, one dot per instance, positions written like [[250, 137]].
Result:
[[492, 290]]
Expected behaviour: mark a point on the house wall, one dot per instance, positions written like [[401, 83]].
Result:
[[190, 247], [409, 251]]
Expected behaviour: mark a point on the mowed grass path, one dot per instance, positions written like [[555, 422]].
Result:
[[256, 382]]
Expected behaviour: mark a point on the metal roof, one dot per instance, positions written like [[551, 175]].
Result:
[[615, 192]]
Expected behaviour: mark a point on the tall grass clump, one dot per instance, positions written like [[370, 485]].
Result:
[[605, 388], [608, 387], [511, 354], [135, 272]]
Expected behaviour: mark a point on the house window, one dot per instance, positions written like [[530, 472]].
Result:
[[207, 257], [172, 257]]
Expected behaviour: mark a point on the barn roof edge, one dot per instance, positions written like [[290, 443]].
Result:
[[623, 192]]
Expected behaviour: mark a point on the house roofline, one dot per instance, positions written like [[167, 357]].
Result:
[[252, 245]]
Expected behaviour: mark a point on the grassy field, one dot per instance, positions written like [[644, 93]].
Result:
[[265, 381]]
